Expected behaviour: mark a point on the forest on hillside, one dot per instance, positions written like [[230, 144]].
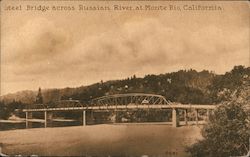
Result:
[[184, 86]]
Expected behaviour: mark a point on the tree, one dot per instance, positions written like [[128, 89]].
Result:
[[223, 85], [39, 97], [6, 110], [227, 132]]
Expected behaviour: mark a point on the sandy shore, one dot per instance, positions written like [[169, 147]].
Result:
[[100, 140]]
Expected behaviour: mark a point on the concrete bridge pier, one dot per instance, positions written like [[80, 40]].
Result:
[[27, 117], [196, 116], [84, 120], [48, 117], [116, 116], [208, 114], [89, 117], [185, 117], [175, 117]]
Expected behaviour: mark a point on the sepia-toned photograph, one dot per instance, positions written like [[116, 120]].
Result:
[[125, 78]]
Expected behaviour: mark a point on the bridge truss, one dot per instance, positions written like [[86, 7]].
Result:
[[130, 99]]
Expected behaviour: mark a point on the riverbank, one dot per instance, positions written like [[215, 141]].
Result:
[[101, 140]]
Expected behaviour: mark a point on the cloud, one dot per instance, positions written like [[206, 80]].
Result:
[[47, 54], [141, 47], [36, 41], [148, 46]]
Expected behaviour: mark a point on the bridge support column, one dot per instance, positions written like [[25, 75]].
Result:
[[27, 117], [208, 114], [114, 118], [84, 118], [185, 117], [175, 118], [47, 118], [90, 117], [196, 116]]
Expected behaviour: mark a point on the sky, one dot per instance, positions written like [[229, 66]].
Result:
[[57, 49]]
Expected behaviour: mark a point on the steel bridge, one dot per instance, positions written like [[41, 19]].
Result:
[[118, 102]]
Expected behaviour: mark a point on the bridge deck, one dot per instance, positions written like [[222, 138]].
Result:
[[115, 107]]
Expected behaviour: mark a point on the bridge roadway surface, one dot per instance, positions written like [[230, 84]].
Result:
[[117, 107]]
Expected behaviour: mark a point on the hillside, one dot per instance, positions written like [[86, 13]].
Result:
[[185, 86], [168, 85]]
